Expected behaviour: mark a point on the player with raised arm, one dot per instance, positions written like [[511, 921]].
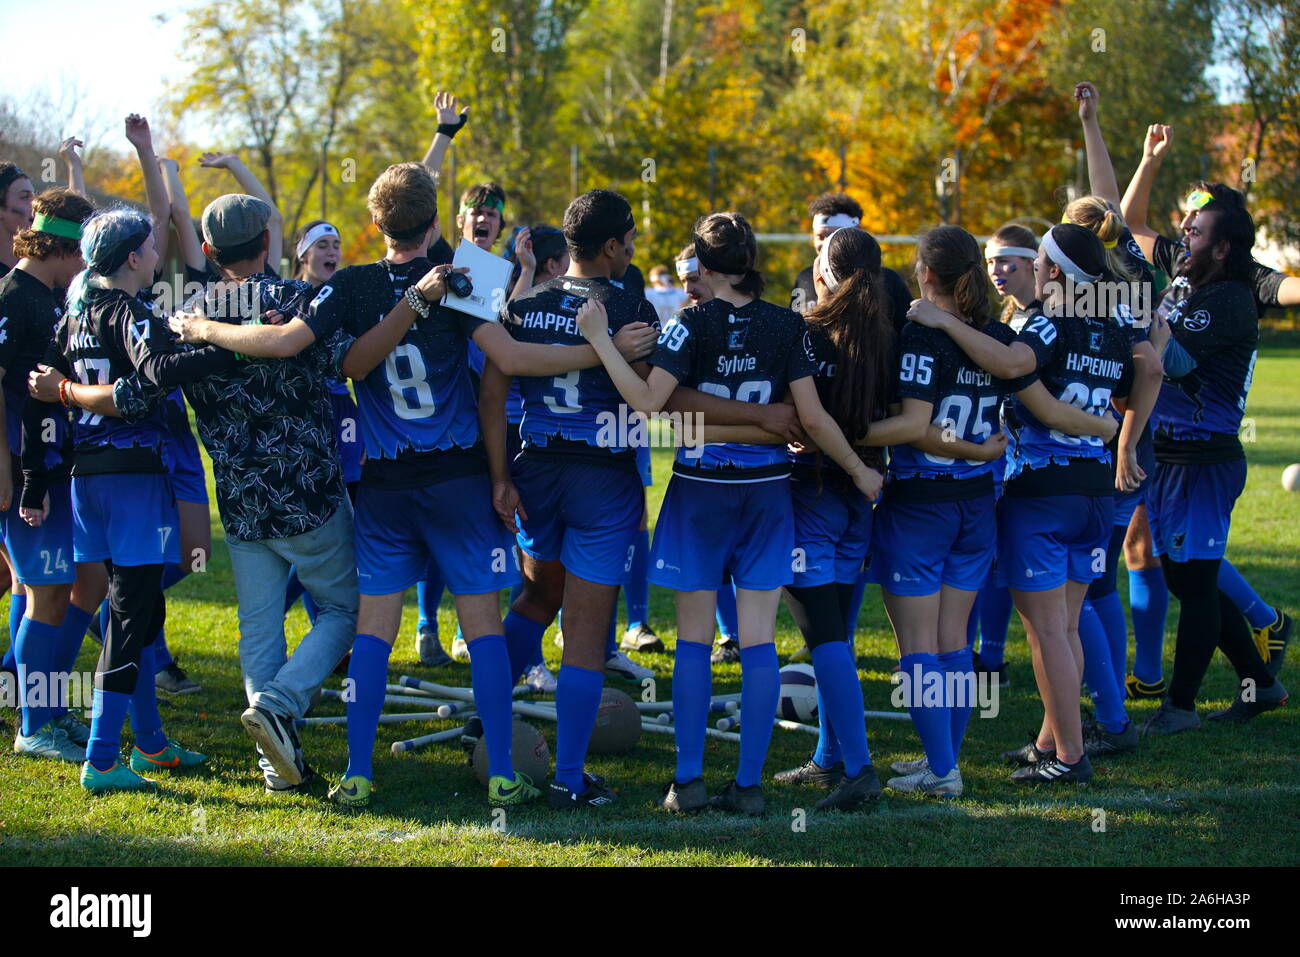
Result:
[[728, 506]]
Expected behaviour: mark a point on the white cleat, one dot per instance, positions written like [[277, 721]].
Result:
[[910, 767], [927, 782], [459, 649], [623, 666], [539, 679]]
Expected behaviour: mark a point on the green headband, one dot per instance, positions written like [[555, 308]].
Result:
[[490, 201], [1199, 199], [56, 226]]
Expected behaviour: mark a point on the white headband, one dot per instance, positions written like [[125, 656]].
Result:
[[992, 251], [824, 263], [687, 266], [316, 233], [1068, 265], [839, 221]]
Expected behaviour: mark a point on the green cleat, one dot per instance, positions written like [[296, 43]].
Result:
[[503, 792], [117, 778], [351, 792], [168, 759]]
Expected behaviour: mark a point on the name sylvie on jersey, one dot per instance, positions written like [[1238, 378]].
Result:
[[625, 428]]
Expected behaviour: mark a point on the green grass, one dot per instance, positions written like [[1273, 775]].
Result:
[[1222, 796]]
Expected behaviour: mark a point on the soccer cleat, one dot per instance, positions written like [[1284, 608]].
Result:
[[117, 778], [1000, 671], [49, 742], [351, 792], [596, 794], [1098, 742], [641, 638], [469, 736], [174, 680], [1241, 710], [1028, 754], [274, 734], [810, 772], [623, 666], [539, 679], [169, 758], [459, 649], [1272, 641], [685, 798], [77, 732], [308, 779], [927, 782], [909, 767], [852, 793], [725, 653], [802, 655], [1135, 688], [1053, 771], [505, 792], [1171, 720], [429, 649], [740, 800]]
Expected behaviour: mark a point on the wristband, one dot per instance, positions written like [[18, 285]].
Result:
[[419, 305], [63, 393], [450, 130], [255, 321]]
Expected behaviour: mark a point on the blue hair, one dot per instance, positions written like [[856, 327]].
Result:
[[107, 239]]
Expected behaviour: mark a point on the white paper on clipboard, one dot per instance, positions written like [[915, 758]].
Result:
[[490, 275]]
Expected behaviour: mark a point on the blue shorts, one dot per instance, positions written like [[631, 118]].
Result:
[[918, 548], [128, 517], [643, 465], [1044, 541], [707, 530], [347, 431], [1189, 508], [585, 515], [832, 534], [43, 555], [397, 531], [185, 463]]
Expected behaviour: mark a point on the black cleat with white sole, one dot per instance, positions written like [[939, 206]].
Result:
[[279, 743], [852, 792], [1028, 754], [596, 794], [1055, 771], [812, 773], [741, 800], [685, 798]]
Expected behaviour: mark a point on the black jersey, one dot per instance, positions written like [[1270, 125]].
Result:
[[827, 360], [1265, 282]]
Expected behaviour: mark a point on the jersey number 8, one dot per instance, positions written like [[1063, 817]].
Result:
[[415, 380]]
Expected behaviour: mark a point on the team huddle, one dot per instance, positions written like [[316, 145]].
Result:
[[965, 462]]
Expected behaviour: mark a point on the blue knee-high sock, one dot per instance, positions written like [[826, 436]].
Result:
[[933, 722], [855, 609], [611, 645], [428, 594], [162, 655], [1107, 693], [368, 672], [636, 593], [71, 634], [523, 638], [726, 612], [105, 745], [692, 686], [36, 653], [995, 617], [760, 692], [17, 610], [1258, 612], [1148, 603], [489, 671], [840, 692], [293, 590], [961, 666], [577, 699], [146, 722], [827, 753], [1111, 612]]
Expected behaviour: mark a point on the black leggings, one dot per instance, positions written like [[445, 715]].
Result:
[[137, 612], [827, 608], [1206, 620]]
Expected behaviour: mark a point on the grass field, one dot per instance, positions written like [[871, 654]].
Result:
[[1221, 796]]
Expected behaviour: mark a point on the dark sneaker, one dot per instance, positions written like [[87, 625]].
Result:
[[469, 736], [852, 793], [725, 652], [812, 773], [429, 649], [1241, 710], [685, 798], [1136, 689], [302, 787], [174, 680], [274, 734], [1000, 671], [1028, 754], [641, 638], [1055, 771], [1171, 720], [596, 794], [1098, 742], [740, 800]]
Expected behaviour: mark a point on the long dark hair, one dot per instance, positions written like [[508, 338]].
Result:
[[857, 319], [953, 255]]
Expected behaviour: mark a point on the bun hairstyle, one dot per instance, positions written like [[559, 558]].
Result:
[[57, 203], [1093, 212], [107, 239], [725, 244], [857, 318], [1013, 234], [955, 259]]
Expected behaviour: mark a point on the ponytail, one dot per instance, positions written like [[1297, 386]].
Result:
[[107, 239], [954, 257]]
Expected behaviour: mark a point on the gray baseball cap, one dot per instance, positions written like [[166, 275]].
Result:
[[234, 219]]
